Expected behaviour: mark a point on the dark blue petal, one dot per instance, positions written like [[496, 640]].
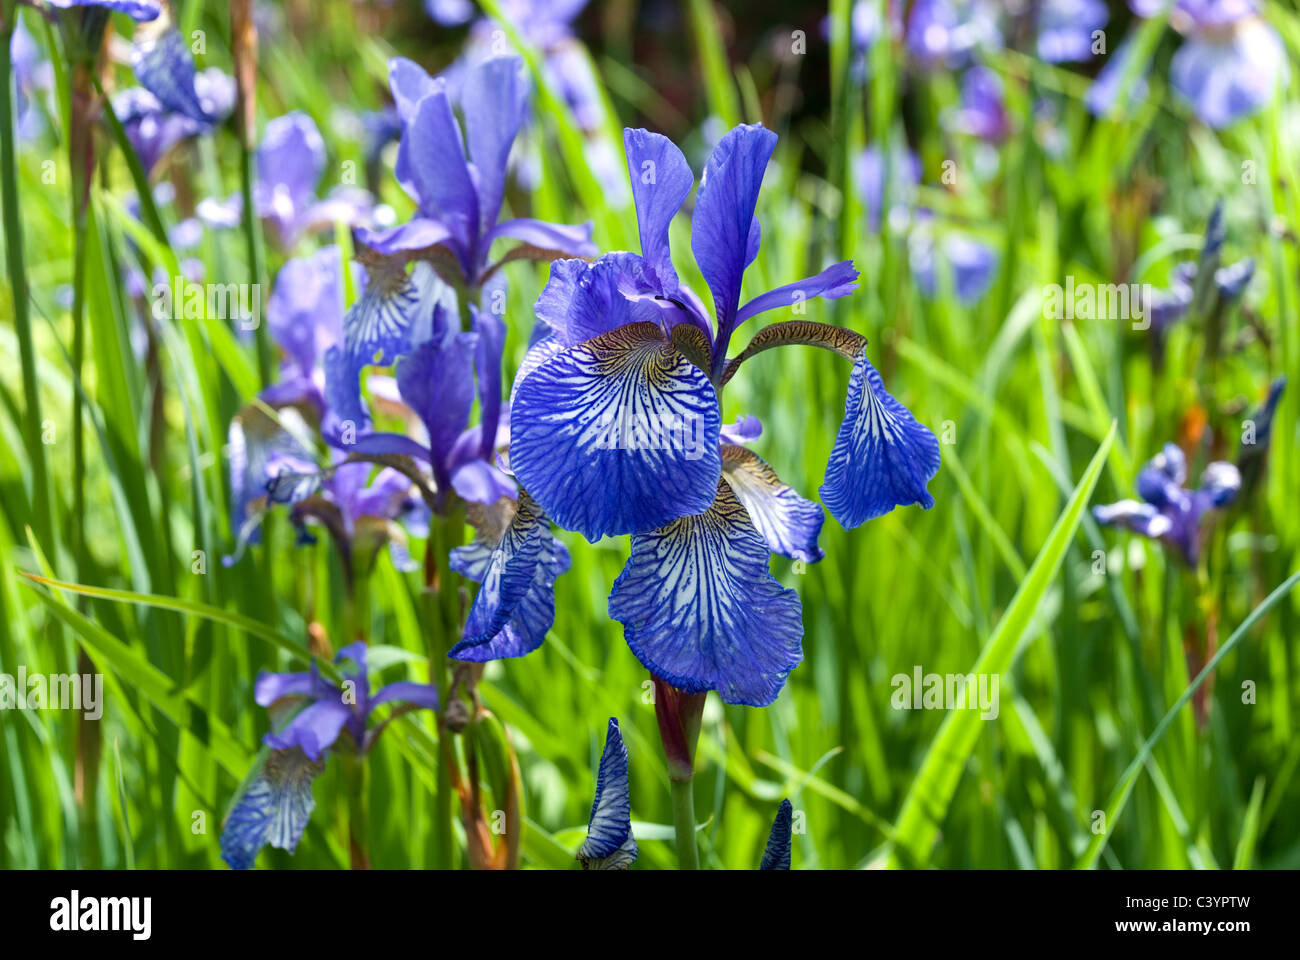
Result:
[[661, 180], [789, 523], [437, 382], [1141, 518], [494, 98], [515, 605], [777, 854], [609, 844], [834, 282], [1220, 484], [491, 330], [701, 610], [273, 808], [882, 457], [724, 216], [617, 435], [163, 65]]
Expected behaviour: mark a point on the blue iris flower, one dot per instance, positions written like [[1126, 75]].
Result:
[[1168, 511], [776, 856], [458, 196], [275, 801], [615, 428], [610, 844], [1229, 65], [142, 10], [154, 129]]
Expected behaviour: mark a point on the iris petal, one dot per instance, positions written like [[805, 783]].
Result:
[[838, 280], [1141, 518], [882, 457], [163, 65], [515, 605], [1229, 76], [377, 327], [724, 216], [617, 435], [789, 523], [493, 98], [661, 179], [273, 808], [437, 382], [433, 157], [777, 854], [701, 610], [609, 844], [314, 729]]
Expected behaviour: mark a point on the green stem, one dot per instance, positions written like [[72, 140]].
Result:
[[256, 254], [688, 856], [42, 500], [442, 612]]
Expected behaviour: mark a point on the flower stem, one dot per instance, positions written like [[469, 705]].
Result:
[[442, 612], [688, 856]]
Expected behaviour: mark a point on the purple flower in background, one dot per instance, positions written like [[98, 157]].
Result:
[[1228, 67], [1168, 511], [896, 200], [275, 801], [615, 428], [290, 161], [946, 33], [983, 112], [154, 129], [964, 263], [135, 9], [1103, 96], [1066, 28], [33, 75]]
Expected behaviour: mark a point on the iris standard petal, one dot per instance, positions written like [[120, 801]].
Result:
[[314, 729], [834, 282], [724, 216], [777, 854], [273, 808], [609, 844], [882, 457], [515, 604], [290, 160], [493, 100], [701, 610], [789, 523], [409, 83], [435, 161], [437, 382], [419, 233], [617, 435], [661, 180]]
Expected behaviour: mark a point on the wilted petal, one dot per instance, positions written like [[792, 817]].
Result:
[[617, 435], [609, 844], [701, 610], [273, 808], [777, 854], [789, 523], [882, 457]]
